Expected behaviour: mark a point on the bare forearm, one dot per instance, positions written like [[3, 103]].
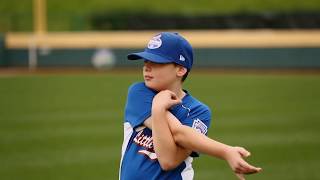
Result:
[[163, 141], [191, 139], [169, 154], [188, 138]]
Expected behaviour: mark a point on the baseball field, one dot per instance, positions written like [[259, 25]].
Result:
[[69, 125]]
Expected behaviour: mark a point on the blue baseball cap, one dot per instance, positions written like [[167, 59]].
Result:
[[167, 47]]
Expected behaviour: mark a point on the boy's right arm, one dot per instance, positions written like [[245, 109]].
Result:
[[188, 138]]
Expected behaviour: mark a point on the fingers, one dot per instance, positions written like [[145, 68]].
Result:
[[240, 172], [174, 98], [240, 166], [169, 93], [243, 152], [166, 99], [246, 168], [173, 95], [240, 176]]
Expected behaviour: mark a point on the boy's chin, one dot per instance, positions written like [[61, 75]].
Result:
[[151, 86]]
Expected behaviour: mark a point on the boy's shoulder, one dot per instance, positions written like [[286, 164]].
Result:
[[197, 104], [139, 86], [199, 114]]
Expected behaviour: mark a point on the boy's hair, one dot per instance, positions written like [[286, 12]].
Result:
[[185, 76]]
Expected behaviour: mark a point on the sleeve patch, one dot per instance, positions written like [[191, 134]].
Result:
[[199, 126]]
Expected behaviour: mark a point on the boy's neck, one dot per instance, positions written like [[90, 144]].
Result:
[[180, 94], [178, 91]]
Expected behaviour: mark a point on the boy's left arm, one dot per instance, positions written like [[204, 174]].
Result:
[[169, 154]]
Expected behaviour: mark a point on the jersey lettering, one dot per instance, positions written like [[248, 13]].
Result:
[[144, 140]]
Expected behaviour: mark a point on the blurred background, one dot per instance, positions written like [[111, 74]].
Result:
[[64, 79]]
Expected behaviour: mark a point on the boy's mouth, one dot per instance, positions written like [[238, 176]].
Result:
[[147, 77]]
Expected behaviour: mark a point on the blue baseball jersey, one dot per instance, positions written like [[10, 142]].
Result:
[[138, 158]]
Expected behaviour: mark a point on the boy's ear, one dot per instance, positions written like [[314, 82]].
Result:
[[181, 71]]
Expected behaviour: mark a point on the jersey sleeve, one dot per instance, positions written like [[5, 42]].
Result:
[[200, 122], [138, 105], [198, 118]]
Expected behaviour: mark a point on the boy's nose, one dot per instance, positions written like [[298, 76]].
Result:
[[147, 66]]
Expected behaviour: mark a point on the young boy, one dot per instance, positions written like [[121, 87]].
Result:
[[165, 127]]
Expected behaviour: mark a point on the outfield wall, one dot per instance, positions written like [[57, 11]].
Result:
[[2, 51], [211, 49], [204, 57]]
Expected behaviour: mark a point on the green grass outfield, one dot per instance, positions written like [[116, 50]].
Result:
[[70, 126]]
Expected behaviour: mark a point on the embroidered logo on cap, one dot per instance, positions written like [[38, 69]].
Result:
[[181, 58], [155, 42]]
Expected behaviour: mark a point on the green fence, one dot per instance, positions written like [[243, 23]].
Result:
[[204, 57], [2, 50]]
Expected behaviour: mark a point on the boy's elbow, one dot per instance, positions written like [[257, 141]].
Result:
[[167, 165], [178, 135]]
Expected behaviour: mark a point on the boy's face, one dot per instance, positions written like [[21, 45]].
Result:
[[161, 76]]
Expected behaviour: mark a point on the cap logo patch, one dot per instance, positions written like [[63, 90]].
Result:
[[155, 42], [181, 58]]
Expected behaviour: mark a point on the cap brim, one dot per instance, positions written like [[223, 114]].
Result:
[[148, 56]]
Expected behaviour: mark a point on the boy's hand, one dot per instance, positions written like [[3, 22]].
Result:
[[234, 157], [164, 100]]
